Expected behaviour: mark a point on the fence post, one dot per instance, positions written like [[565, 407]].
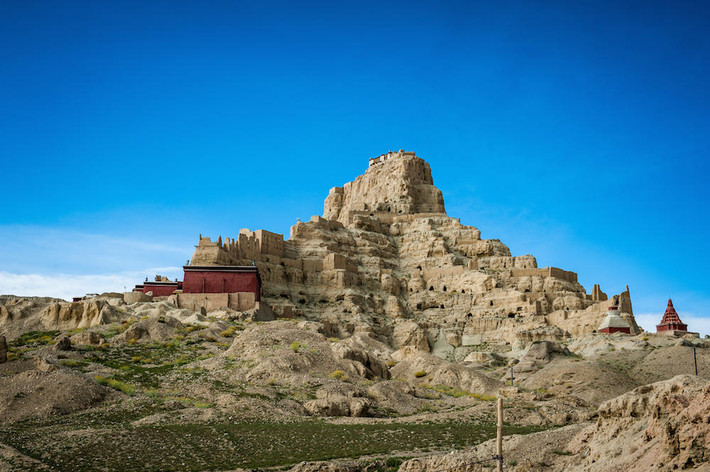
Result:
[[499, 436], [511, 375]]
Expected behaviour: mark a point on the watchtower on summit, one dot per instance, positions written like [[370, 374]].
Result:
[[390, 155]]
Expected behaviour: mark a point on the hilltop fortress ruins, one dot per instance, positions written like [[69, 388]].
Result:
[[385, 258]]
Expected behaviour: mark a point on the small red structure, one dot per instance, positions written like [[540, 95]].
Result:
[[671, 321], [222, 279], [159, 288]]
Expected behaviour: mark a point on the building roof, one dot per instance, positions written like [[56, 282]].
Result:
[[670, 317], [217, 268]]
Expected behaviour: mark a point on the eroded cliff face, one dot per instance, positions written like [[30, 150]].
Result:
[[386, 259], [395, 184]]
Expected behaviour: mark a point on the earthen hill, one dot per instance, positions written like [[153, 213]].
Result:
[[385, 258]]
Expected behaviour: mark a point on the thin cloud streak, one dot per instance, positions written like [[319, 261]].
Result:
[[67, 286], [48, 250]]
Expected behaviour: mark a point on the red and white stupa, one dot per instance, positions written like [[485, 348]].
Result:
[[671, 323], [614, 323]]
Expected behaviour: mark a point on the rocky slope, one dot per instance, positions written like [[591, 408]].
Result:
[[661, 427], [171, 376]]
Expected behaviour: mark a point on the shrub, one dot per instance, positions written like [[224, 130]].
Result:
[[393, 462], [153, 394], [71, 363], [338, 375], [420, 373], [485, 398], [229, 332], [35, 337], [391, 363], [295, 346], [128, 389]]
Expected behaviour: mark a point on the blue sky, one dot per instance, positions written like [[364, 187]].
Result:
[[575, 131]]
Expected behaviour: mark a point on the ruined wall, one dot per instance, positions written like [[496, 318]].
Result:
[[546, 272], [240, 301]]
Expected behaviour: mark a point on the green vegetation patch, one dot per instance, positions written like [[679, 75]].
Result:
[[458, 393], [223, 446], [35, 338], [145, 365], [128, 389]]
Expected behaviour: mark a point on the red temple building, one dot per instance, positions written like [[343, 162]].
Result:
[[161, 287], [207, 279], [222, 279], [208, 288], [671, 323]]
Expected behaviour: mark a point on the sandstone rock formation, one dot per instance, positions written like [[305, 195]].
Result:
[[662, 426], [385, 258]]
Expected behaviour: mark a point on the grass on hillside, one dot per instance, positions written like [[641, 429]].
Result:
[[112, 443]]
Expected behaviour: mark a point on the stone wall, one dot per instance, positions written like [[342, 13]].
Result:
[[240, 301]]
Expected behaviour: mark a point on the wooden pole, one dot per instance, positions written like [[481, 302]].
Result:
[[695, 361], [499, 436], [511, 376]]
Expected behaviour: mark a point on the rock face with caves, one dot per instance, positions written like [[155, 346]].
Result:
[[386, 259]]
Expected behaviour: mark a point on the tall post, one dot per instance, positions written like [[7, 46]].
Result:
[[695, 361], [499, 436], [511, 376]]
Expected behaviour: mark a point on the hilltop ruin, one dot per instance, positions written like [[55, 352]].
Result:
[[386, 258]]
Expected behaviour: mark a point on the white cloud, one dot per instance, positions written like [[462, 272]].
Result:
[[67, 286], [698, 324], [46, 250]]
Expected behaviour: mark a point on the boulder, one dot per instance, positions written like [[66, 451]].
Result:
[[162, 328], [409, 333], [87, 338], [136, 297], [63, 343], [396, 395], [338, 399]]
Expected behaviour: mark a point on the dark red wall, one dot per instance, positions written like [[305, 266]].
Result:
[[160, 290], [615, 330], [672, 327], [221, 282]]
